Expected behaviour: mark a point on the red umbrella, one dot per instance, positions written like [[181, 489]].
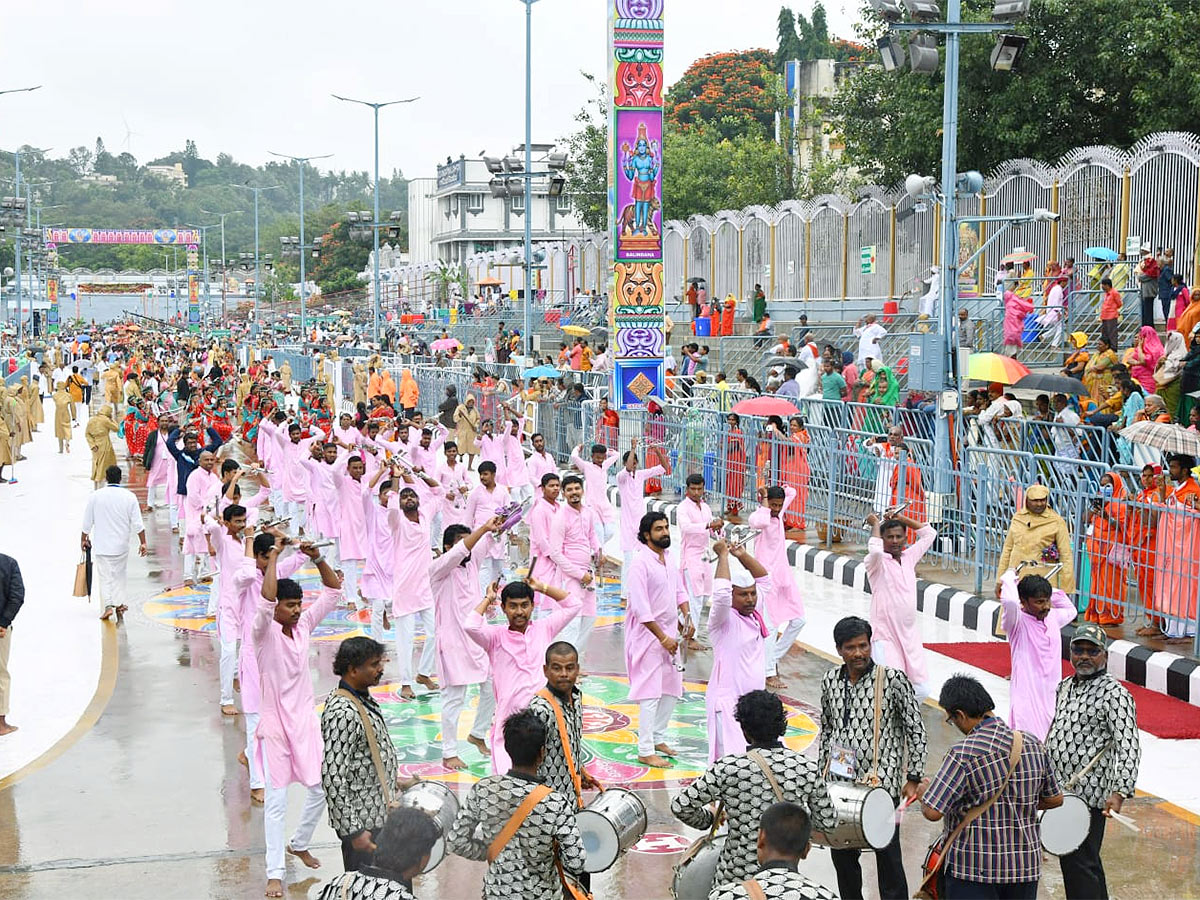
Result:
[[765, 406]]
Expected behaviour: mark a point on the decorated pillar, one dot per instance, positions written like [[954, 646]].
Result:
[[635, 214]]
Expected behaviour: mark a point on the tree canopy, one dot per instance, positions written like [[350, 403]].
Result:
[[1102, 72], [730, 93]]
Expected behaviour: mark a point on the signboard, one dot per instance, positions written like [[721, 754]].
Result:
[[1133, 245], [163, 236], [867, 260], [193, 322], [52, 322]]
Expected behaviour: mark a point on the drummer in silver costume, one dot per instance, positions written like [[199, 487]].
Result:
[[848, 752], [740, 783], [1094, 717], [562, 672], [783, 840]]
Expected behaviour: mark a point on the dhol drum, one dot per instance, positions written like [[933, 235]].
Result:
[[439, 803], [611, 824], [866, 818], [697, 870], [1065, 828]]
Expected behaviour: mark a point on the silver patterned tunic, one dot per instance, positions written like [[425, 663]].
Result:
[[778, 881], [739, 782], [525, 867], [554, 767], [1089, 715]]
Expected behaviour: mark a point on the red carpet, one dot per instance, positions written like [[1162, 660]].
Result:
[[1162, 716]]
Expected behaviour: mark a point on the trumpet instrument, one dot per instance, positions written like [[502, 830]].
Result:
[[737, 536]]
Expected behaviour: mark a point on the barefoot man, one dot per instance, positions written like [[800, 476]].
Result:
[[288, 739], [784, 609], [461, 661], [657, 600]]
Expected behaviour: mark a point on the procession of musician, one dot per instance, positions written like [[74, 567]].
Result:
[[497, 564]]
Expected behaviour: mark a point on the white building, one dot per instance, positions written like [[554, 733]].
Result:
[[811, 85], [456, 216], [174, 173]]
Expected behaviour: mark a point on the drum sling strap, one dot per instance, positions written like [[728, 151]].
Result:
[[532, 799], [563, 738], [928, 886], [880, 677], [754, 890], [372, 745], [757, 756]]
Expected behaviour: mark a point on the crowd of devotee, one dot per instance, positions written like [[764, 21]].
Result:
[[482, 553]]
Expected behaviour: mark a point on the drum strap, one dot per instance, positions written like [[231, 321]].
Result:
[[564, 739], [1095, 759], [372, 744], [880, 678], [1014, 758], [754, 890], [757, 756], [532, 799]]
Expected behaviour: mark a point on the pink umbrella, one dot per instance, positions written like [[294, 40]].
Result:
[[445, 344], [765, 406]]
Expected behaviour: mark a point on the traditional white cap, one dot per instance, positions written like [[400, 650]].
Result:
[[738, 574]]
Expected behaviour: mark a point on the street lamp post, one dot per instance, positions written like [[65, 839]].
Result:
[[375, 225], [224, 279], [203, 229], [257, 268], [528, 336], [303, 161]]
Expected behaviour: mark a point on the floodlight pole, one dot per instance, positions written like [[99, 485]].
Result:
[[527, 349]]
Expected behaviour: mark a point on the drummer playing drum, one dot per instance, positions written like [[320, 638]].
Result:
[[850, 751], [560, 707]]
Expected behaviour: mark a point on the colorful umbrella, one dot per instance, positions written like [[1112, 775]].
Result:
[[765, 406], [445, 344], [577, 330], [1102, 253], [994, 367], [1164, 436], [1019, 256], [490, 281], [541, 372]]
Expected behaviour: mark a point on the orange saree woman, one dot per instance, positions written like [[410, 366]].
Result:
[[1108, 553]]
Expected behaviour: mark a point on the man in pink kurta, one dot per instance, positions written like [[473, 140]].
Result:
[[412, 596], [892, 570], [203, 488], [516, 474], [738, 633], [351, 485], [1033, 614], [696, 525], [424, 451], [540, 517], [381, 521], [631, 491], [288, 737], [324, 473], [482, 504], [225, 536], [657, 598], [595, 487], [461, 661], [540, 462], [517, 650], [491, 448], [293, 450], [783, 609], [247, 578], [574, 548], [456, 481]]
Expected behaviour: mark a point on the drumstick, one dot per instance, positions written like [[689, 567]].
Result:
[[904, 804], [1125, 820]]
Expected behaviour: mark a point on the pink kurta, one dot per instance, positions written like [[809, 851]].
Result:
[[426, 458], [453, 501], [693, 519], [516, 659], [481, 506], [410, 574], [739, 664], [573, 545], [540, 464], [595, 485], [295, 479], [770, 549], [323, 481], [631, 489], [460, 660], [203, 488], [352, 527], [515, 472], [289, 733], [248, 580], [1036, 649], [230, 552], [897, 636], [380, 524], [491, 449], [541, 523], [656, 592]]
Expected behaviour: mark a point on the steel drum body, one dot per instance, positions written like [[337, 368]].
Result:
[[439, 803], [866, 817], [612, 823], [1065, 828], [696, 872]]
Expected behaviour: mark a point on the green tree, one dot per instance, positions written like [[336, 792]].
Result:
[[587, 169], [730, 92], [787, 41], [1064, 94]]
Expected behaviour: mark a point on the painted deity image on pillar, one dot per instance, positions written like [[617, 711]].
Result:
[[639, 186]]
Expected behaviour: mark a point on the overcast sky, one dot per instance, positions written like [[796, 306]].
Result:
[[236, 75]]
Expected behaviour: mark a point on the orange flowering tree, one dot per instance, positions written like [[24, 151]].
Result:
[[729, 93]]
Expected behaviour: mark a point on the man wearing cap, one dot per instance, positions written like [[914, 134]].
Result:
[[1038, 536], [1094, 720]]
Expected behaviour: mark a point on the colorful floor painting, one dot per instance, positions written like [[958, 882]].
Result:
[[186, 608], [609, 726]]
